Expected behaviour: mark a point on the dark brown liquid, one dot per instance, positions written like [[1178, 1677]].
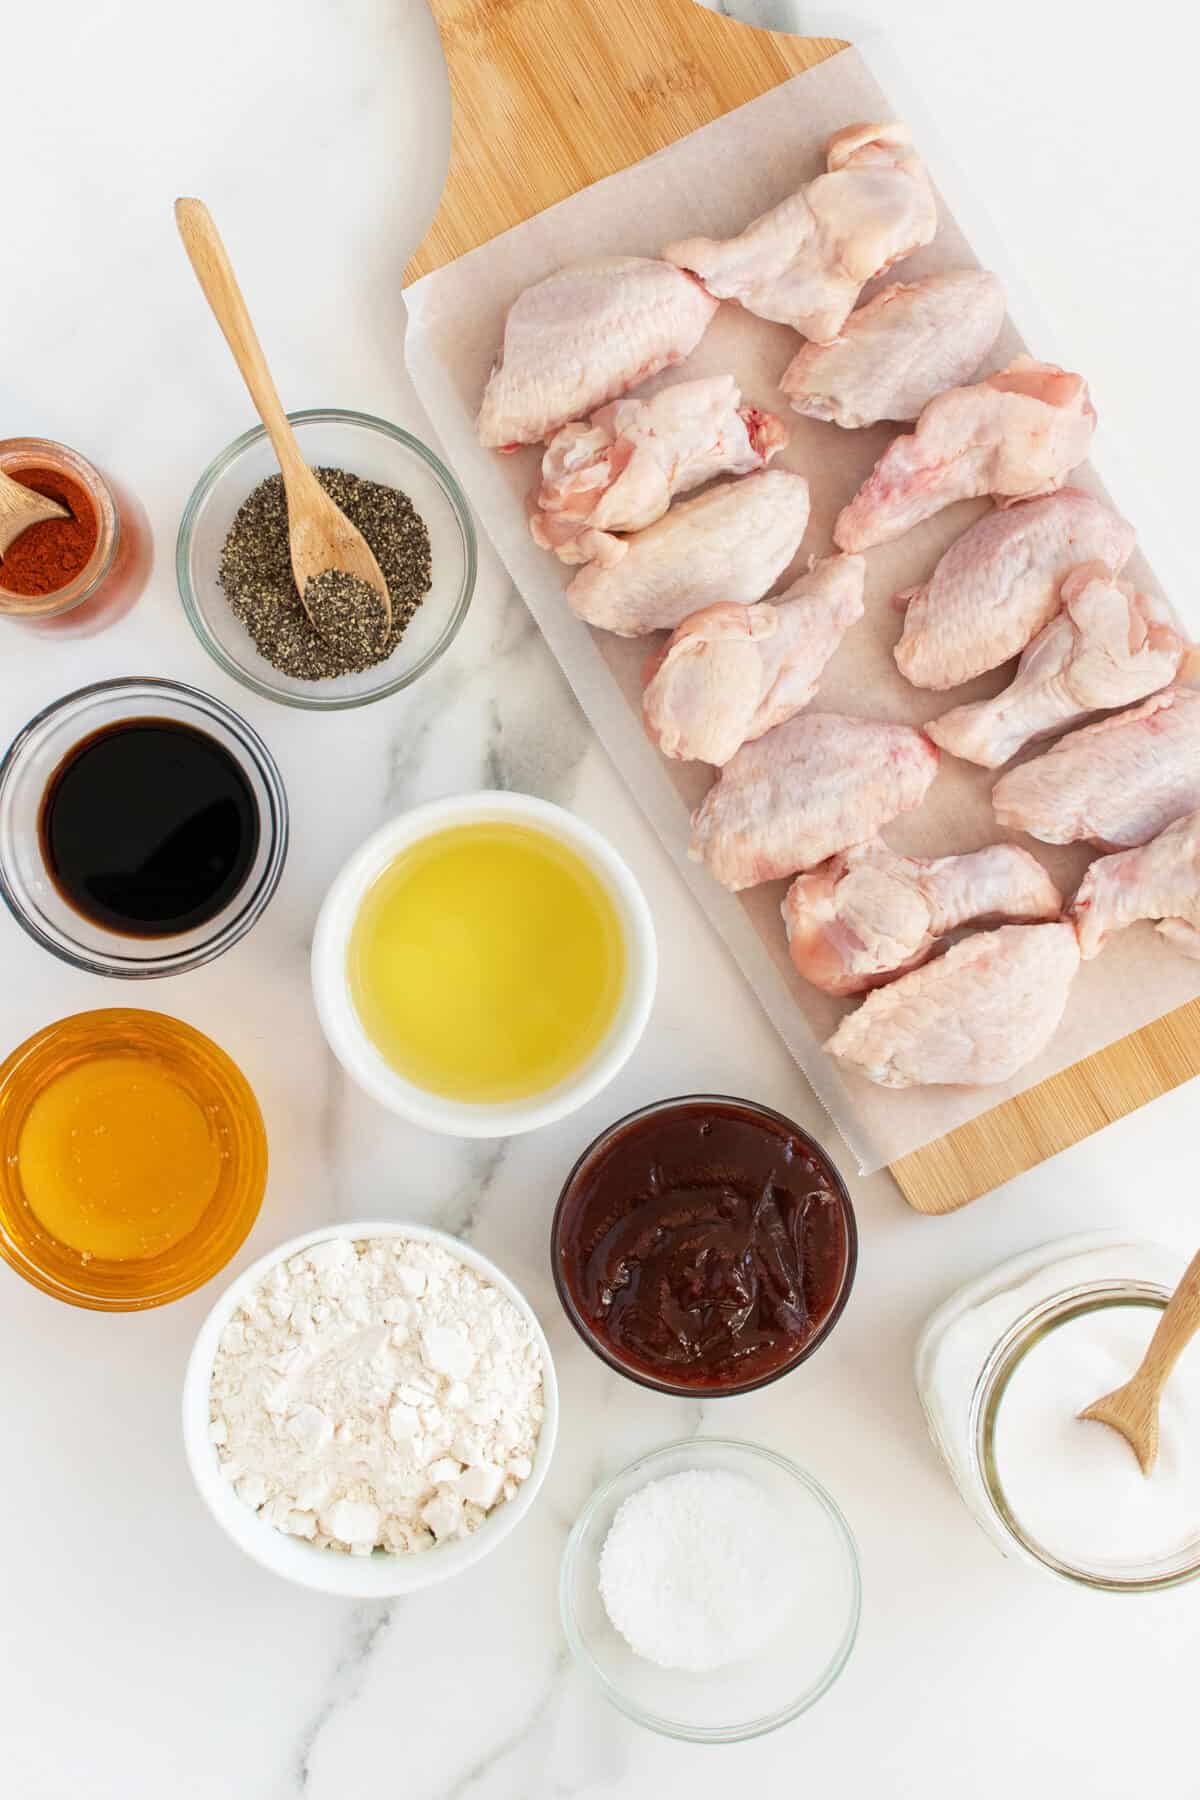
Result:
[[149, 828], [705, 1245]]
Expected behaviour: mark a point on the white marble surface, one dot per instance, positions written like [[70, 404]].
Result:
[[140, 1654]]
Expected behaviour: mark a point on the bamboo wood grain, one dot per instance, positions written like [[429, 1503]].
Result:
[[552, 95], [1068, 1107]]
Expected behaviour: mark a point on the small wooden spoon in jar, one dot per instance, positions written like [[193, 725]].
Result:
[[1133, 1409], [320, 535], [20, 508]]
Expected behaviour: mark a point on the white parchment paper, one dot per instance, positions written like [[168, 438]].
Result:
[[713, 182]]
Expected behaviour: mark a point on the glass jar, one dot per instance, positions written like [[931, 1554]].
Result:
[[974, 1344], [115, 572]]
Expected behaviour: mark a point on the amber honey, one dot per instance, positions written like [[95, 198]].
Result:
[[132, 1159]]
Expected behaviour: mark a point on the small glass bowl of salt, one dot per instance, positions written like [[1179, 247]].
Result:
[[711, 1590]]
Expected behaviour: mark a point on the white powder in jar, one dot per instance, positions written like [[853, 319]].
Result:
[[697, 1571], [376, 1394], [1075, 1486]]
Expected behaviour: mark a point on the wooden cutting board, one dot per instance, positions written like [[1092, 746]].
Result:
[[552, 95]]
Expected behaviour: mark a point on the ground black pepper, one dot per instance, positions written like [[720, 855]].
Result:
[[256, 574], [347, 614]]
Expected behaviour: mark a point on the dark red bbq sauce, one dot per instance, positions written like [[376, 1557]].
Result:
[[705, 1245]]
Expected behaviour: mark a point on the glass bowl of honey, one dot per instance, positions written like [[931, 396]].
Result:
[[133, 1159], [143, 828]]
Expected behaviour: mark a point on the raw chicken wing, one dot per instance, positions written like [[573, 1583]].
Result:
[[1014, 435], [1108, 647], [730, 673], [806, 261], [1114, 784], [805, 791], [908, 344], [1160, 881], [998, 585], [970, 1018], [621, 471], [869, 915], [731, 542], [584, 335]]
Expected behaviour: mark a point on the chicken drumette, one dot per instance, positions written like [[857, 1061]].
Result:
[[730, 673], [1108, 647], [970, 1018], [998, 585], [1014, 435], [584, 335], [895, 353], [869, 915], [1159, 880], [731, 542], [805, 791], [621, 471], [1115, 784], [806, 261]]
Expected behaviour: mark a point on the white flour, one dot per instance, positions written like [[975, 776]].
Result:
[[698, 1570], [378, 1393]]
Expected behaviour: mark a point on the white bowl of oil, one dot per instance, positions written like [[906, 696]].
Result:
[[484, 965]]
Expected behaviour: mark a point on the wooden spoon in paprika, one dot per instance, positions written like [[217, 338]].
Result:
[[320, 534], [20, 508]]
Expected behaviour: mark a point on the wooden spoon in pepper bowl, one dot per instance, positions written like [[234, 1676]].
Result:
[[321, 537]]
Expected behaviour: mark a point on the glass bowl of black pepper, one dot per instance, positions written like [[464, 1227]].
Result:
[[235, 577]]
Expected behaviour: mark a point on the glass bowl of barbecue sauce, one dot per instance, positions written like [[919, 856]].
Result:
[[704, 1246], [143, 828]]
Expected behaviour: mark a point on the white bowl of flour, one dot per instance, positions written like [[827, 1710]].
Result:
[[370, 1408]]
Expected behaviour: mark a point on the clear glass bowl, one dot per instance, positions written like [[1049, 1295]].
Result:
[[213, 1080], [789, 1674], [696, 1390], [365, 446], [25, 884]]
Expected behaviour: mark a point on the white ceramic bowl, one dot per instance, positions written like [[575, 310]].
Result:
[[355, 1050], [384, 1573]]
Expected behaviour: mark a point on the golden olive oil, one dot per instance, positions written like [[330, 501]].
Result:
[[487, 962]]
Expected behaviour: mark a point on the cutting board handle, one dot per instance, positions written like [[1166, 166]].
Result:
[[551, 95]]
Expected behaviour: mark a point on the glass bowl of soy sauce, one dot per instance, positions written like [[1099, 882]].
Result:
[[143, 828]]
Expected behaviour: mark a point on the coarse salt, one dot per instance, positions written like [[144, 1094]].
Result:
[[697, 1571]]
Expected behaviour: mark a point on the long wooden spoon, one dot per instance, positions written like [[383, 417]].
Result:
[[320, 534], [1133, 1409], [20, 508]]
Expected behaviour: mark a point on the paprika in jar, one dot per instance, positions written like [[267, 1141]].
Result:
[[58, 564]]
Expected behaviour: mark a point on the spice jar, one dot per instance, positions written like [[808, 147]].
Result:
[[60, 564], [1003, 1369]]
